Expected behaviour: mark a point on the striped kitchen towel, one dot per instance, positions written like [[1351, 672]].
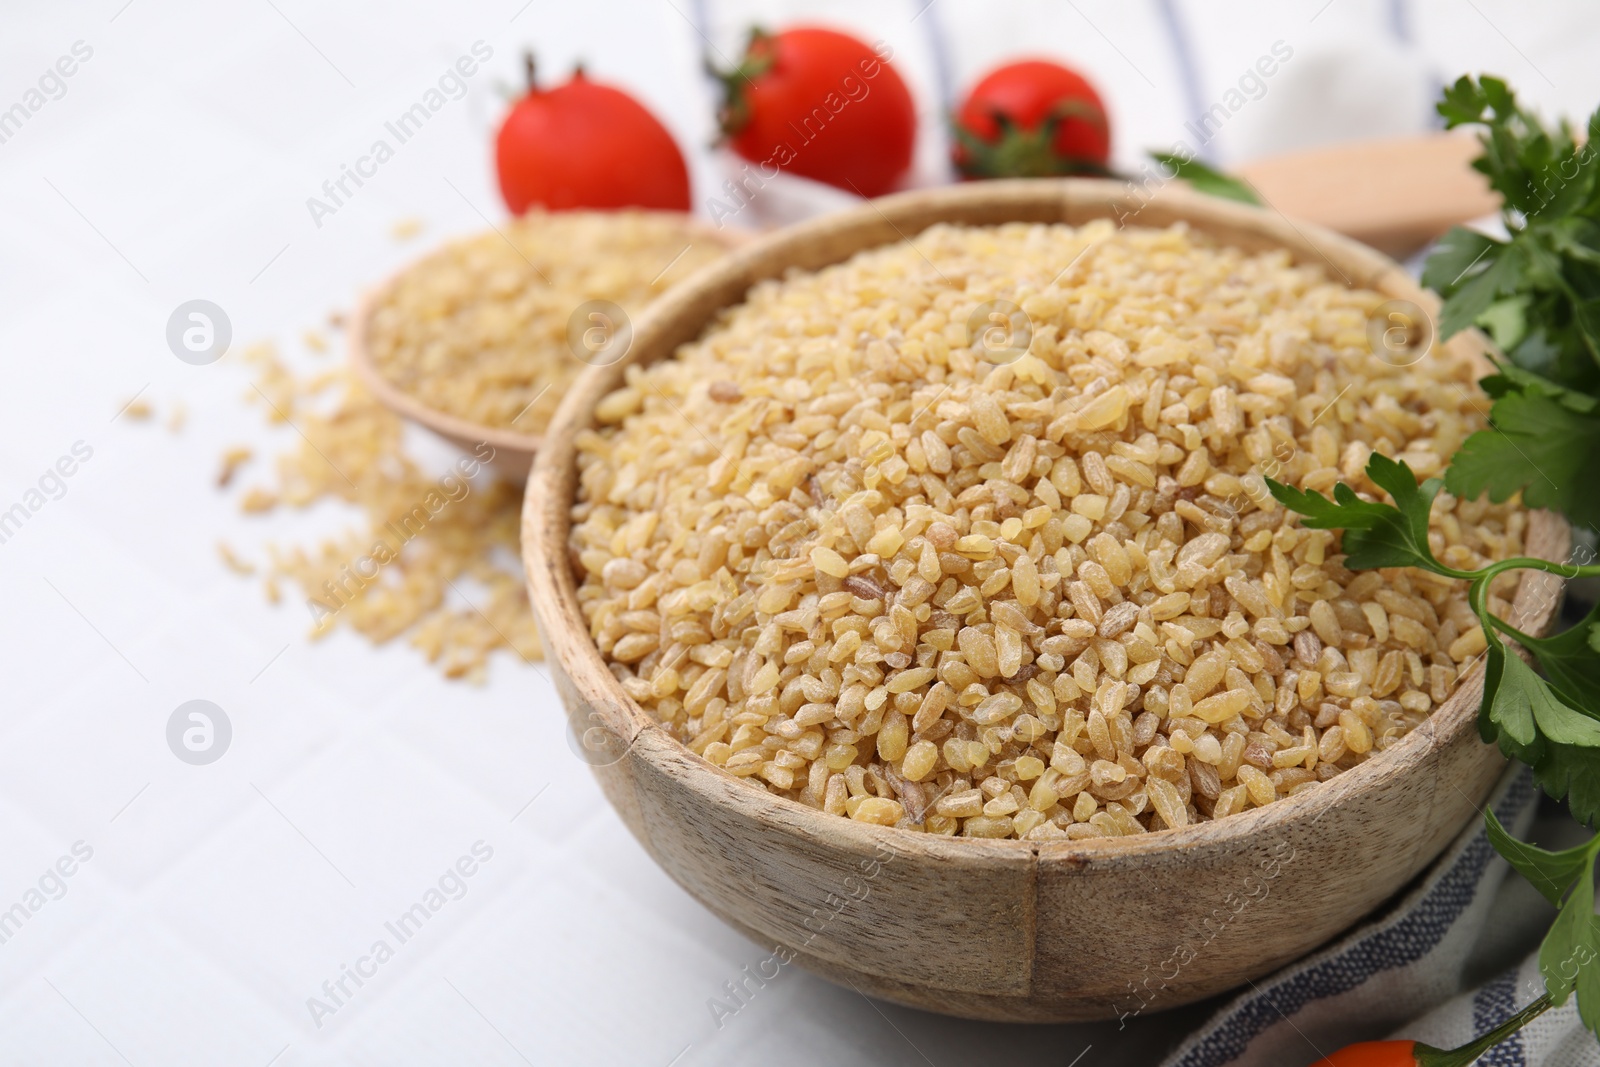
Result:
[[1403, 972]]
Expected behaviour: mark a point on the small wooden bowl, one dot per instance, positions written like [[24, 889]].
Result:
[[513, 450], [1009, 930]]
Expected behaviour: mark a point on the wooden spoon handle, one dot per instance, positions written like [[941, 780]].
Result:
[[1395, 194]]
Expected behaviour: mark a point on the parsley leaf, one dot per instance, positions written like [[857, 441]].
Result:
[[1543, 723], [1551, 873], [1588, 989], [1571, 662], [1569, 957], [1502, 274], [1459, 252], [1538, 291], [1539, 446], [1375, 535], [1573, 773], [1206, 180], [1506, 713], [1511, 378], [1506, 320], [1523, 696], [1536, 722], [1572, 947]]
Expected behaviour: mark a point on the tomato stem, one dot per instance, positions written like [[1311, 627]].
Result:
[[734, 112], [1428, 1056], [1017, 152], [531, 68]]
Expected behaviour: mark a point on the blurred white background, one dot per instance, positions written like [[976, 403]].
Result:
[[176, 164]]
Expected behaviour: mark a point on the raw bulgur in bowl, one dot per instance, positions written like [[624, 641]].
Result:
[[844, 556], [856, 593], [476, 339]]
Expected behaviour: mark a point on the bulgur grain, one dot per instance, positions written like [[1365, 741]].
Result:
[[232, 460], [1050, 598], [479, 329], [231, 560], [352, 451]]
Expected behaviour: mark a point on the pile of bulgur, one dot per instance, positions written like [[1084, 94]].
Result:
[[454, 582], [842, 557], [479, 329]]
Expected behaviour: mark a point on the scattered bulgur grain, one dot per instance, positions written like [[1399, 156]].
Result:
[[138, 409], [232, 561], [178, 418], [406, 228], [315, 342], [480, 328], [424, 537], [258, 500], [232, 460], [1052, 594]]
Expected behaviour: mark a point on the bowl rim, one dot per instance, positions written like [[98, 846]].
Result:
[[546, 507]]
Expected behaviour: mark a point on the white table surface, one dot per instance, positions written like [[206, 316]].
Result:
[[218, 899]]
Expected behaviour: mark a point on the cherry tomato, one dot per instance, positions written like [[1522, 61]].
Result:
[[1416, 1054], [587, 145], [1031, 119], [1374, 1054], [822, 104]]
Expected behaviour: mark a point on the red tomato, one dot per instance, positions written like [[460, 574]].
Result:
[[821, 104], [587, 145], [1031, 119], [1416, 1054], [1375, 1054]]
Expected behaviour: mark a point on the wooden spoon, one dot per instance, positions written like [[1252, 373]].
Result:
[[1395, 195]]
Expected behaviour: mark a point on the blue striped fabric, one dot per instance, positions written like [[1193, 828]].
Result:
[[1188, 68], [1394, 941], [1493, 1004]]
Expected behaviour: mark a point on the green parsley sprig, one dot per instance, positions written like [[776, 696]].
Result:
[[1566, 879], [1550, 723], [1537, 294]]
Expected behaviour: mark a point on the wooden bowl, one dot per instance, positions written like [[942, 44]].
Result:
[[513, 450], [1008, 930]]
